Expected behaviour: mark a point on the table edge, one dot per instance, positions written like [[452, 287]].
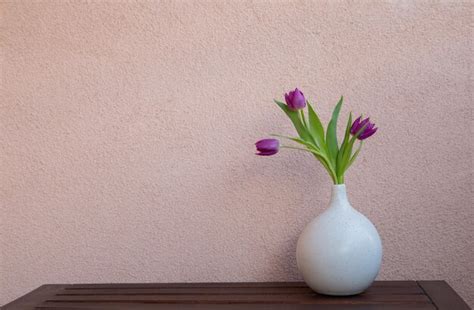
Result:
[[442, 295]]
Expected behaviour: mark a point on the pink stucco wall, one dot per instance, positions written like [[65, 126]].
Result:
[[127, 134]]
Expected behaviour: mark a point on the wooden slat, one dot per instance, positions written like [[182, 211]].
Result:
[[223, 284], [187, 285], [186, 291], [105, 290], [245, 298], [443, 295]]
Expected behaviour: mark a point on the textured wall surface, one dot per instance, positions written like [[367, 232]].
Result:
[[127, 134]]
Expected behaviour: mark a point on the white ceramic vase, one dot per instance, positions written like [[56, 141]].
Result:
[[340, 251]]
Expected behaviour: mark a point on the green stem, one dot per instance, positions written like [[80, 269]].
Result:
[[295, 148], [340, 179]]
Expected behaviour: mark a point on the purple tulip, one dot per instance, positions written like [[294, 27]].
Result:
[[295, 100], [267, 147], [368, 131]]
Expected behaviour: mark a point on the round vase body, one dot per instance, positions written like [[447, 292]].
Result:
[[340, 251]]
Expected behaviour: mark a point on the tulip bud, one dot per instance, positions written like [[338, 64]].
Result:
[[295, 100], [368, 131], [267, 147]]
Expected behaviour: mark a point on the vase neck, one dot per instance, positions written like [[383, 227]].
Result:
[[339, 197]]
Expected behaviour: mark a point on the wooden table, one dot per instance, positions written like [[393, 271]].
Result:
[[234, 296]]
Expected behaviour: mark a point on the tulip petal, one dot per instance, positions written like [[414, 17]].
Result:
[[295, 100], [367, 133], [287, 99], [267, 147], [356, 126], [269, 153]]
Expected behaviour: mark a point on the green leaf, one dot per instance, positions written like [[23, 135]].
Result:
[[327, 166], [346, 156], [348, 128], [325, 162], [331, 134], [316, 129], [353, 158], [341, 155], [295, 119], [346, 159]]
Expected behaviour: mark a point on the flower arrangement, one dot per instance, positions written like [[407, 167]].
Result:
[[335, 158]]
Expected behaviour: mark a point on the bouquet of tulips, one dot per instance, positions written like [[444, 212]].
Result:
[[335, 158]]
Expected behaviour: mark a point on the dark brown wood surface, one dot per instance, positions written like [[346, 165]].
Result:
[[384, 295]]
